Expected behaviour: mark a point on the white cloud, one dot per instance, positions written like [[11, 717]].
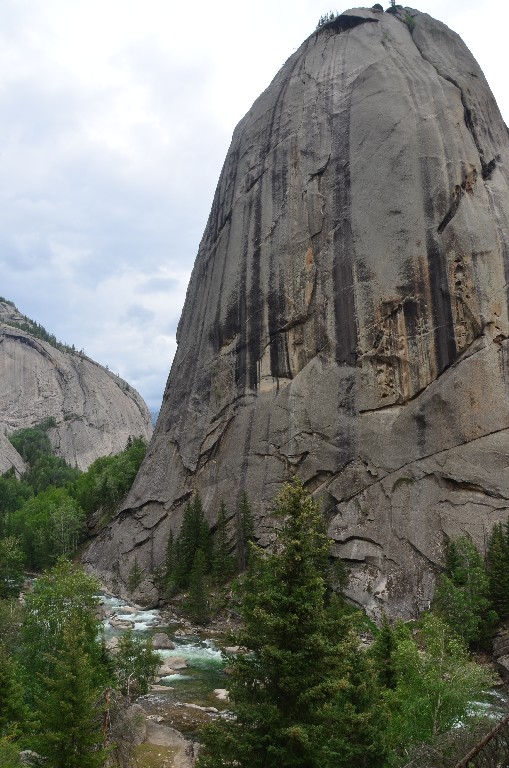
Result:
[[116, 117]]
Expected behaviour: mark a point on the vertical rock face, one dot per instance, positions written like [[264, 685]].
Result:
[[347, 315], [93, 410]]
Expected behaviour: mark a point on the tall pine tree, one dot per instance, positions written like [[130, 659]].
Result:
[[194, 535], [68, 712], [245, 531], [498, 569], [462, 596], [223, 564], [305, 696]]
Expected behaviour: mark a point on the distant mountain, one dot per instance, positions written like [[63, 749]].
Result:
[[94, 410]]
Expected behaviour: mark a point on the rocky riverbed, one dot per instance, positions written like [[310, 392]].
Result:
[[191, 687]]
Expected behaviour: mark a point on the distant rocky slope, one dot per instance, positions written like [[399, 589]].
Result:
[[347, 316], [95, 411]]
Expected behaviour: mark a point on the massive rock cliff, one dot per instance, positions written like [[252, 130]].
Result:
[[95, 411], [347, 315]]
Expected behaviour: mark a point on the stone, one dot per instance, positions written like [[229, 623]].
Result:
[[347, 317], [178, 662], [222, 694], [94, 411], [171, 665], [502, 666], [160, 640], [112, 644], [146, 594], [501, 644], [120, 623]]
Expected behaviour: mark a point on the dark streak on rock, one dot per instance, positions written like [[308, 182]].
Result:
[[343, 23], [344, 303]]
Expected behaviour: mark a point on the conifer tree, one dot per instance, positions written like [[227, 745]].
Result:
[[305, 696], [462, 596], [135, 576], [196, 605], [194, 535], [11, 695], [383, 651], [245, 531], [70, 723], [223, 564], [498, 569], [170, 562]]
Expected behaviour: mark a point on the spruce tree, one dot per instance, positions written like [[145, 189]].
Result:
[[498, 569], [383, 651], [194, 535], [135, 576], [245, 532], [223, 564], [11, 695], [196, 604], [462, 596], [170, 562], [68, 712], [305, 696]]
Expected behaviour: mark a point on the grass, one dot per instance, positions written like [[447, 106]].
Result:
[[154, 756]]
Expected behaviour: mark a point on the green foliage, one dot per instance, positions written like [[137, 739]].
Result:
[[498, 569], [194, 535], [13, 493], [383, 652], [409, 21], [49, 525], [11, 618], [136, 664], [64, 596], [12, 570], [68, 719], [50, 470], [436, 685], [305, 695], [462, 596], [196, 604], [30, 443], [37, 330], [9, 754], [44, 468], [245, 532], [326, 18], [108, 479], [12, 709], [223, 564], [135, 576]]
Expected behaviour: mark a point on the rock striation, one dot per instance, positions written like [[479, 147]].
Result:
[[347, 315], [94, 411]]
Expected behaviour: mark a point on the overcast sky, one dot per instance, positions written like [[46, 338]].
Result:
[[115, 118]]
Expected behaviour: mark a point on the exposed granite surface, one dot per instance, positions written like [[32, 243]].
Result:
[[347, 316], [94, 410]]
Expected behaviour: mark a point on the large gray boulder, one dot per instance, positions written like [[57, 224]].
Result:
[[94, 411], [347, 315]]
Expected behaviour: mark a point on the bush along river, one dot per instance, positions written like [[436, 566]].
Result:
[[192, 684]]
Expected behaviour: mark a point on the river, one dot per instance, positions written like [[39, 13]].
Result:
[[189, 699]]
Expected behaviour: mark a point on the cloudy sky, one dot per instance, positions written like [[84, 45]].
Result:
[[115, 118]]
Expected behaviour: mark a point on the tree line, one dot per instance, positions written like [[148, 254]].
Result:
[[61, 692], [48, 511], [202, 558]]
